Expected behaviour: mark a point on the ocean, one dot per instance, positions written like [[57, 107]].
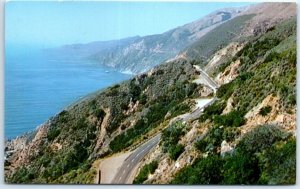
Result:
[[38, 86]]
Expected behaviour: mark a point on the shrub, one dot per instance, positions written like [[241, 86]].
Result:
[[179, 109], [175, 151], [230, 134], [265, 110], [226, 90], [201, 145], [211, 141], [261, 138], [232, 119], [241, 169], [99, 113], [278, 163], [145, 171], [214, 109], [171, 136], [203, 171], [53, 133]]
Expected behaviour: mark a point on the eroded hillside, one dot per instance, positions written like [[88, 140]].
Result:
[[247, 136]]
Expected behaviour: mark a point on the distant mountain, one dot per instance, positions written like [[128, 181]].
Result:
[[88, 49], [139, 54], [253, 21]]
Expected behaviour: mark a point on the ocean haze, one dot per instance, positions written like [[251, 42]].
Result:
[[56, 23]]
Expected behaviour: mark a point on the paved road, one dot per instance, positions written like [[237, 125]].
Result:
[[197, 112], [206, 77], [126, 169], [194, 114]]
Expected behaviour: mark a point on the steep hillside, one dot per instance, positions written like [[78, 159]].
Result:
[[63, 149], [248, 135], [255, 20], [139, 54]]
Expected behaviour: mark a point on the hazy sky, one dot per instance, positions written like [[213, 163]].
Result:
[[56, 23]]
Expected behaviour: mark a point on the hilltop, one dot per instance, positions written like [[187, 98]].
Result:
[[139, 54]]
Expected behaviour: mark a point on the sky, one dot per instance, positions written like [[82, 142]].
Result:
[[55, 23]]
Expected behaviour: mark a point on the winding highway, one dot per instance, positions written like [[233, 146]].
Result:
[[126, 170]]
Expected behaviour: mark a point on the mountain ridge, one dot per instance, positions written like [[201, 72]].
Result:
[[142, 53]]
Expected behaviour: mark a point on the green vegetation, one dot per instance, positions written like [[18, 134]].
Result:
[[214, 109], [279, 163], [157, 111], [145, 171], [247, 165], [264, 71], [232, 119], [211, 141], [217, 38], [266, 155], [175, 151], [51, 165], [53, 133], [265, 110], [179, 109], [203, 171], [170, 138]]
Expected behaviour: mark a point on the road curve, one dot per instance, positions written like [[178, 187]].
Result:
[[130, 163], [211, 83]]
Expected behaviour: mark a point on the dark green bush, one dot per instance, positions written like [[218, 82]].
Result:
[[278, 163], [203, 171], [99, 113], [53, 133], [171, 136], [232, 119], [211, 141], [261, 138], [230, 134], [241, 169], [145, 171], [214, 109], [175, 151], [265, 110]]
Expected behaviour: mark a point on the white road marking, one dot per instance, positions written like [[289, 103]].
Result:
[[133, 160], [124, 171], [128, 165]]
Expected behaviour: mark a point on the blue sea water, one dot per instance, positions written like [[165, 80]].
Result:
[[37, 86]]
